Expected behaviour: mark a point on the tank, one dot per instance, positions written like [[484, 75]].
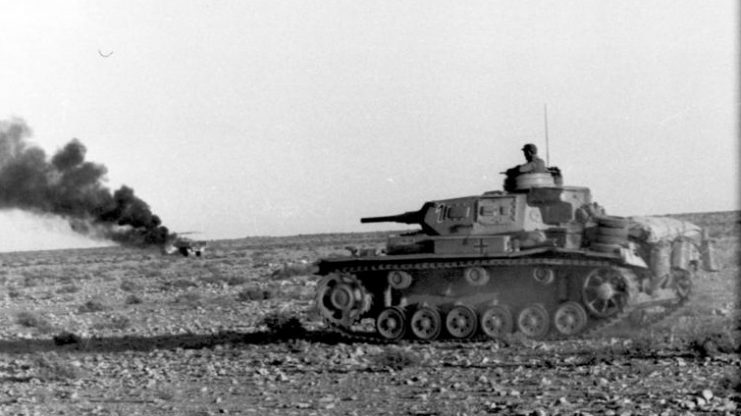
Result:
[[539, 258]]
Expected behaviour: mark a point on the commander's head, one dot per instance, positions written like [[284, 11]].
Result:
[[529, 150]]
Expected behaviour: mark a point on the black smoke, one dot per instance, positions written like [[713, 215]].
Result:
[[69, 186]]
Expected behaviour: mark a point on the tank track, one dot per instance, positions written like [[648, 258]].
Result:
[[594, 331]]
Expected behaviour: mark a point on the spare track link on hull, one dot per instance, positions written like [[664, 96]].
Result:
[[590, 332]]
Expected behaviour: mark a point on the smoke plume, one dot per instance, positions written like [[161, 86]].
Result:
[[69, 186]]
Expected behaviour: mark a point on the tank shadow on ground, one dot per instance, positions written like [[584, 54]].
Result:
[[587, 356], [164, 342]]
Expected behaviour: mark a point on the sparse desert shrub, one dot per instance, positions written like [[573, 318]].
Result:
[[236, 280], [129, 286], [254, 293], [31, 280], [292, 269], [118, 322], [297, 292], [51, 367], [216, 280], [644, 346], [190, 298], [284, 325], [84, 275], [152, 274], [66, 338], [179, 284], [93, 305], [69, 288], [65, 279], [395, 359], [731, 382], [260, 258], [713, 343], [33, 320], [133, 300], [165, 393]]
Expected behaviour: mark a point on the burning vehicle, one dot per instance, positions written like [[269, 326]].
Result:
[[185, 247]]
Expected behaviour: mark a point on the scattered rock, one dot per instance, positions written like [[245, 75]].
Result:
[[706, 394]]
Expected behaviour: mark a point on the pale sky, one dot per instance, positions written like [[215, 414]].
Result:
[[243, 118]]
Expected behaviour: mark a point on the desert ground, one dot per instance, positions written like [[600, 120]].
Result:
[[125, 331]]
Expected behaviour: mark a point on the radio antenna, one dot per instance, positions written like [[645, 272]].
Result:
[[547, 147]]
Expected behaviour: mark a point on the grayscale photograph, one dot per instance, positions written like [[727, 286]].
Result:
[[423, 208]]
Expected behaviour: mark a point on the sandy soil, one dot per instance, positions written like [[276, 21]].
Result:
[[115, 331]]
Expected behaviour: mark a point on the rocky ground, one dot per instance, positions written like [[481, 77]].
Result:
[[117, 331]]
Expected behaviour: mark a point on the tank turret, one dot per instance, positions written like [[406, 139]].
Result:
[[496, 222]]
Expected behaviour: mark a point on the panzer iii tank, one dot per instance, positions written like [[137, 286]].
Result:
[[541, 259]]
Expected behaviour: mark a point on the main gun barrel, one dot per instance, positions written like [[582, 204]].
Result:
[[411, 217]]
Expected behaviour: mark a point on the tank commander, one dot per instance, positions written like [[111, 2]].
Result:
[[534, 163]]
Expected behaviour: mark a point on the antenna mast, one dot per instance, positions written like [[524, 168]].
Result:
[[547, 147]]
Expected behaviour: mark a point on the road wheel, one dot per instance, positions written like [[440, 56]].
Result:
[[461, 322], [570, 318], [533, 321], [426, 323], [391, 323], [496, 321]]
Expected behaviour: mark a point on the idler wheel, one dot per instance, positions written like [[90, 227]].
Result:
[[461, 322], [341, 299], [426, 323], [391, 323], [604, 292], [533, 321], [570, 318], [399, 280], [496, 321], [476, 276]]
